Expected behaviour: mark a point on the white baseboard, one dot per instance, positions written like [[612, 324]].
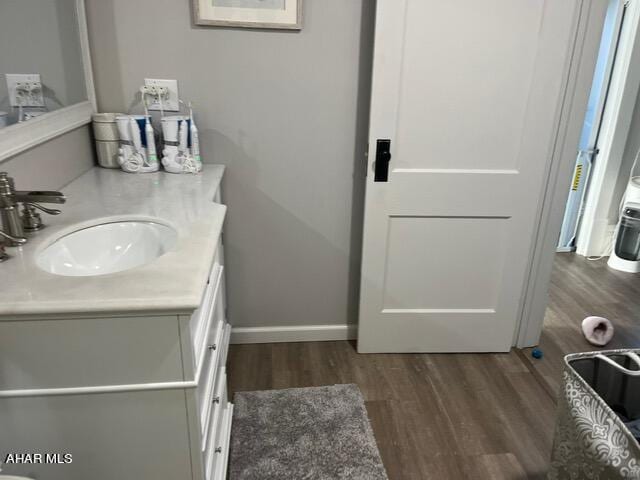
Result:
[[300, 333], [606, 243]]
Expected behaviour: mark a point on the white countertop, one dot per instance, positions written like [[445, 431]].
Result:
[[173, 282]]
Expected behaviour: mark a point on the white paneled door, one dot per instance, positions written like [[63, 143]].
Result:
[[466, 99]]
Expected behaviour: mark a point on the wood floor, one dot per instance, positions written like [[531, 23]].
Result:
[[581, 288], [462, 416]]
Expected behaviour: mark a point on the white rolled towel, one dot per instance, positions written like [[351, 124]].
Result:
[[597, 330]]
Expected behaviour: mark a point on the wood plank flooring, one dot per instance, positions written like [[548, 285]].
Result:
[[434, 416], [580, 288], [462, 416]]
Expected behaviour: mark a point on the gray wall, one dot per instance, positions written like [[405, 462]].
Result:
[[287, 113], [42, 37], [54, 163]]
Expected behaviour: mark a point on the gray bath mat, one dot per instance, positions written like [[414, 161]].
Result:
[[303, 433]]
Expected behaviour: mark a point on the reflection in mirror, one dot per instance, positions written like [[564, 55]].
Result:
[[41, 67]]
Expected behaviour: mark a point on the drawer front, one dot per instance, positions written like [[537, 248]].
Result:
[[214, 446], [214, 401], [87, 352], [221, 451], [218, 403], [198, 323], [199, 317], [207, 383], [203, 319]]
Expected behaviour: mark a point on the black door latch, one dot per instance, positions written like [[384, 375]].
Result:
[[383, 157]]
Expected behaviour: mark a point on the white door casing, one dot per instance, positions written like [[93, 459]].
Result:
[[587, 46], [469, 93], [594, 237]]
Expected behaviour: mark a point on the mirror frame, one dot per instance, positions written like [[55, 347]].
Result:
[[19, 137]]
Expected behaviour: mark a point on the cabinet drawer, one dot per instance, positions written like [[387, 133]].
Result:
[[218, 403], [207, 383], [197, 325], [221, 450], [204, 318], [216, 452]]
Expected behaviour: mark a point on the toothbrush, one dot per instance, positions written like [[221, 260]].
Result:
[[135, 135], [183, 137], [195, 139], [188, 165], [152, 157], [137, 145]]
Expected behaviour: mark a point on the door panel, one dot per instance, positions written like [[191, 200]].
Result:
[[469, 94], [415, 248], [460, 94]]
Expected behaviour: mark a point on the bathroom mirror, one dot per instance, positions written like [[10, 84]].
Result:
[[46, 85]]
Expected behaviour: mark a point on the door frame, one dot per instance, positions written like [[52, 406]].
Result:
[[570, 118], [594, 236]]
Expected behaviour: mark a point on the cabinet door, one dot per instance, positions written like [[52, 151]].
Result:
[[123, 436], [86, 352]]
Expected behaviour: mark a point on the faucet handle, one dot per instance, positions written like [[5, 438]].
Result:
[[50, 211], [31, 220]]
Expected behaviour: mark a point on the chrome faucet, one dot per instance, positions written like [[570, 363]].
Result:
[[14, 222], [14, 240]]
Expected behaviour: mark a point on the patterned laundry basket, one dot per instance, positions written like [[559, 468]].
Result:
[[598, 417]]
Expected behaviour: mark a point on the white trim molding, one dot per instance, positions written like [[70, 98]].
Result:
[[299, 333], [593, 238], [57, 392], [87, 65], [572, 112], [23, 136]]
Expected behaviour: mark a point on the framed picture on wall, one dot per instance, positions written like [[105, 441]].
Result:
[[281, 14]]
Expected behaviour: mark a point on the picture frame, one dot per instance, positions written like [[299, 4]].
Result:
[[274, 14]]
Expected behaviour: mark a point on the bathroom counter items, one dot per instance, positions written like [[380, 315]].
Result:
[[173, 282]]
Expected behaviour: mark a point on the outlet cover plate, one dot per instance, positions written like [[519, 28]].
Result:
[[170, 104], [15, 79]]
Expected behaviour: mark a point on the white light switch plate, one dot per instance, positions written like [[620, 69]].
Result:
[[14, 80], [169, 104]]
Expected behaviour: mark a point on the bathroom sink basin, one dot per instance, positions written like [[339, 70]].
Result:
[[107, 248]]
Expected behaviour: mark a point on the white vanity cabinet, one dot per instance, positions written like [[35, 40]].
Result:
[[119, 395], [129, 397], [206, 348]]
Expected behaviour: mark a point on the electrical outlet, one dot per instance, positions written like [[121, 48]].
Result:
[[169, 89], [25, 90]]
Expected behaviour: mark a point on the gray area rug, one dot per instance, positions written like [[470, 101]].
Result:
[[303, 433]]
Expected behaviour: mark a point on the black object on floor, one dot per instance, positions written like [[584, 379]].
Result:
[[303, 433]]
